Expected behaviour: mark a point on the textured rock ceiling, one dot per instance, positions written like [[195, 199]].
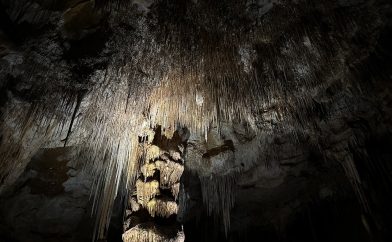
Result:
[[268, 91]]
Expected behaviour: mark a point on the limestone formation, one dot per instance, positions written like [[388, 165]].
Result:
[[170, 172], [146, 190], [148, 169], [150, 233], [151, 196], [175, 190], [162, 207], [152, 152]]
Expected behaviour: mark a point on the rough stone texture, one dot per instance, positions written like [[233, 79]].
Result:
[[50, 201], [170, 172], [162, 207], [152, 216], [146, 190], [149, 232]]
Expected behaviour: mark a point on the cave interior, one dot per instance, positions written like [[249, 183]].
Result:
[[195, 120]]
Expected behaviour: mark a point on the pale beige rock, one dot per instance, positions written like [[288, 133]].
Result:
[[152, 152], [148, 169], [146, 190], [175, 155], [135, 206], [162, 207], [150, 233], [175, 189], [170, 172], [169, 132]]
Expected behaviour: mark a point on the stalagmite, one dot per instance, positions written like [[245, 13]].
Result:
[[170, 172], [153, 196], [162, 207], [219, 196], [146, 190], [150, 233], [148, 169], [175, 155], [175, 189], [135, 206], [152, 152]]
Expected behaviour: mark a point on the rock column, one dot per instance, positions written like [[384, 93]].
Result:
[[152, 212]]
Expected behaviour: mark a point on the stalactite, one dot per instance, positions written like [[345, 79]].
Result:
[[219, 196], [353, 176], [78, 101]]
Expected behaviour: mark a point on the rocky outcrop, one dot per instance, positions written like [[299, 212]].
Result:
[[49, 202], [152, 211], [149, 232]]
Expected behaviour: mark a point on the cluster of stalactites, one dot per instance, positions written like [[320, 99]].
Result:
[[219, 196]]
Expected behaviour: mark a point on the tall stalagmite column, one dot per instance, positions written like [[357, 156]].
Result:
[[152, 211]]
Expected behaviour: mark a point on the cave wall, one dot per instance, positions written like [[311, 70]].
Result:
[[49, 201]]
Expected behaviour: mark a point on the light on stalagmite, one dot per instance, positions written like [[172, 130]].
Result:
[[151, 233], [162, 207], [148, 169], [170, 172], [146, 190], [156, 192]]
